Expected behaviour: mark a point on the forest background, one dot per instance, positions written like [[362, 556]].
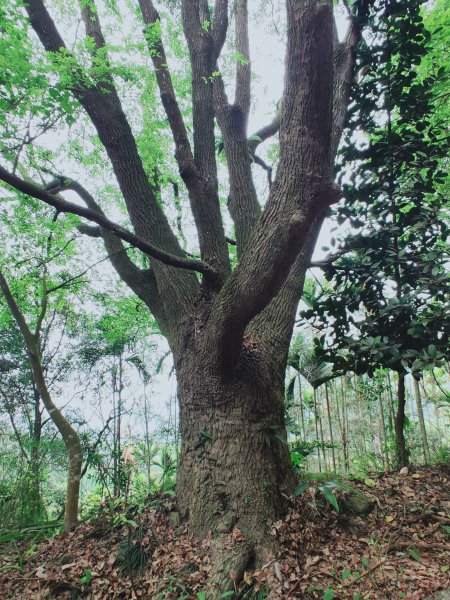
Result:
[[367, 365]]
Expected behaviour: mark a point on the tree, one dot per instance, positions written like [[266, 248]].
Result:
[[111, 337], [32, 339], [35, 304], [20, 400], [389, 306], [228, 328]]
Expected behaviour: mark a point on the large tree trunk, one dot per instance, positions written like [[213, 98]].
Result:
[[235, 468], [400, 443]]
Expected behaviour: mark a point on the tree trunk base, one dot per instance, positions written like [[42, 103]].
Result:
[[229, 566]]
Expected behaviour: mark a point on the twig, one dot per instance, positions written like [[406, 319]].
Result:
[[415, 544], [368, 572]]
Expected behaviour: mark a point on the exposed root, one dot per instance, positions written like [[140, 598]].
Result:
[[228, 568]]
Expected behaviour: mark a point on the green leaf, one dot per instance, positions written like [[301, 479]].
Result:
[[229, 594], [432, 351], [87, 577], [414, 554], [330, 497], [301, 488], [346, 574], [201, 595], [328, 594], [370, 482]]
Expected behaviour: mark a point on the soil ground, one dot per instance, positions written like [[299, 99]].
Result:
[[400, 550]]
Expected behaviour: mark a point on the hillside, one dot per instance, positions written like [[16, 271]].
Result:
[[400, 550]]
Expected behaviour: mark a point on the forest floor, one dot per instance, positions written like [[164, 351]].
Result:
[[400, 550]]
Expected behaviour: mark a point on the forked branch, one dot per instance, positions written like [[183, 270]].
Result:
[[203, 195]]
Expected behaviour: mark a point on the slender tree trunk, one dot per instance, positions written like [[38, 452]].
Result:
[[322, 441], [35, 456], [437, 414], [345, 407], [302, 410], [410, 400], [383, 430], [391, 399], [148, 458], [360, 412], [70, 439], [115, 452], [117, 408], [402, 453], [316, 425], [339, 421], [344, 429], [120, 464], [330, 426], [423, 431]]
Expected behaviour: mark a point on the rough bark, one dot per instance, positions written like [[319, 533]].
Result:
[[235, 468]]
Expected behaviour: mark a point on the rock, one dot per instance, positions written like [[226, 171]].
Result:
[[404, 471], [189, 569], [357, 503], [66, 559], [174, 520], [444, 595]]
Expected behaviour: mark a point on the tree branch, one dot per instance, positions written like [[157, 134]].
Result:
[[220, 26], [142, 282], [93, 448], [16, 312], [243, 65], [273, 327], [344, 66], [203, 196], [303, 187], [183, 152], [200, 44], [104, 108], [327, 261], [265, 133], [259, 161], [243, 202], [65, 206]]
